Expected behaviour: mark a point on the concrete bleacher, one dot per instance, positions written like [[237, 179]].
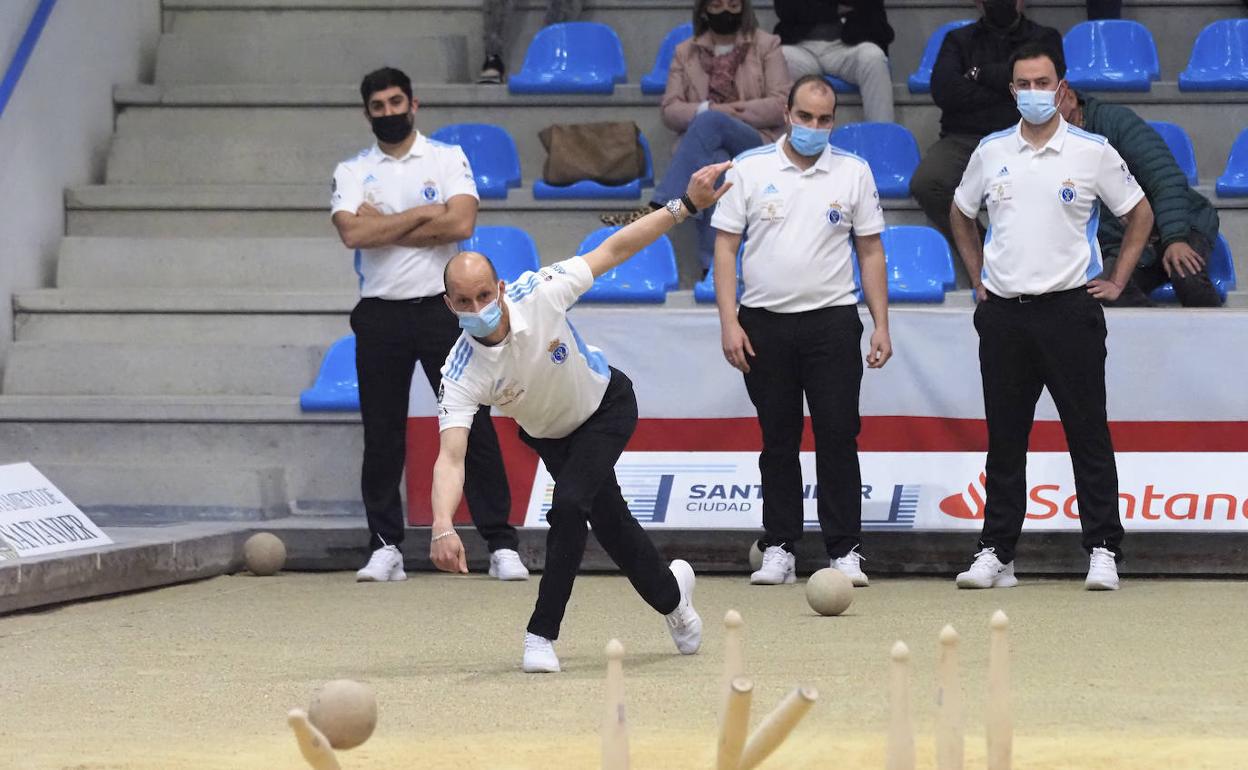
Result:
[[200, 283]]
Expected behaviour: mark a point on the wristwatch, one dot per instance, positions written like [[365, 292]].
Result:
[[676, 207], [973, 74]]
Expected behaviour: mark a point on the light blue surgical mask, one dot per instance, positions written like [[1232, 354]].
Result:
[[1037, 106], [483, 322], [808, 141]]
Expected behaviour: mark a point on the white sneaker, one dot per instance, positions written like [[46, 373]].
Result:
[[684, 623], [1102, 571], [779, 567], [850, 567], [384, 565], [987, 571], [539, 655], [505, 564]]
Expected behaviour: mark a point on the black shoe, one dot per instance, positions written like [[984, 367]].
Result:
[[492, 71]]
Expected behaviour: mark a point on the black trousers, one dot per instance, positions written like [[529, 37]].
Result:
[[586, 492], [819, 354], [1193, 290], [1104, 9], [1055, 341], [390, 337], [939, 173]]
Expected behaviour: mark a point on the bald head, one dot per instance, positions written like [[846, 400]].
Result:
[[467, 266], [471, 282]]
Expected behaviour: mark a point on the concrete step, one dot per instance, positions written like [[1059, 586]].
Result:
[[174, 326], [68, 368], [217, 135], [199, 491], [320, 453], [246, 264], [330, 56], [641, 24], [190, 301]]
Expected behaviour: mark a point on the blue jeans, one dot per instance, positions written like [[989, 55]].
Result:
[[713, 137]]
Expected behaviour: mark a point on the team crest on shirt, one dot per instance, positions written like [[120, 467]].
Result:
[[558, 351], [1066, 193], [836, 214], [430, 190], [1127, 179]]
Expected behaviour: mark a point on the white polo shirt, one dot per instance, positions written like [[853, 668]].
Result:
[[542, 374], [798, 250], [430, 172], [1042, 207]]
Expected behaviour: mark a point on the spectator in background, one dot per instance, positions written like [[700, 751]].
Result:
[[726, 93], [971, 85], [1185, 223], [496, 14], [1104, 9], [819, 40]]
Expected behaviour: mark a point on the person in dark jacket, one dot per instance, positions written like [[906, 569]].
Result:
[[1185, 222], [971, 85], [819, 39]]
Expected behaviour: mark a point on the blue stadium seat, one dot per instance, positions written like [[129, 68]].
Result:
[[1111, 55], [491, 153], [888, 148], [1219, 60], [920, 264], [589, 189], [1180, 145], [655, 82], [575, 57], [1221, 271], [646, 277], [841, 86], [1234, 180], [337, 389], [704, 290], [510, 249], [920, 81]]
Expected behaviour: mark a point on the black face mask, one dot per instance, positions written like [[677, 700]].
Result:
[[1001, 14], [724, 23], [392, 129]]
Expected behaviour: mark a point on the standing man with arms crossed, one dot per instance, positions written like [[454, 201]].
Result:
[[798, 331], [1039, 322], [403, 205], [520, 353]]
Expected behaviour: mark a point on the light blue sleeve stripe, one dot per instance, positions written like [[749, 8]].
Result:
[[595, 358], [1094, 246]]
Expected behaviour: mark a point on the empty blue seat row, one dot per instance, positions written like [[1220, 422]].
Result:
[[496, 166]]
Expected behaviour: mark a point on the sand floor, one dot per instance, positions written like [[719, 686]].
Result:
[[201, 676]]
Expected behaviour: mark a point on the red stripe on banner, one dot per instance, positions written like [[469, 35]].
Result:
[[741, 434]]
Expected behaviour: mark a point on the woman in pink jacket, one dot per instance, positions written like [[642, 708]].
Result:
[[726, 92]]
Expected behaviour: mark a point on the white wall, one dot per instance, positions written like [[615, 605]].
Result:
[[56, 128]]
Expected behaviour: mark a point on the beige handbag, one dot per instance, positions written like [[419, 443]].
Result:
[[607, 153]]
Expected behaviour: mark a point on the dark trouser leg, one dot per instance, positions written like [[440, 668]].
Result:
[[775, 387], [831, 366], [485, 477], [1141, 282], [385, 356], [1104, 9], [1069, 335], [494, 17], [938, 175], [583, 466], [1012, 385], [712, 137]]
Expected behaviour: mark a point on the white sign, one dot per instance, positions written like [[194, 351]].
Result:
[[1184, 492], [36, 518]]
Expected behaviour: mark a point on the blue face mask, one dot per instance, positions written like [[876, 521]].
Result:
[[808, 141], [1036, 106], [482, 323]]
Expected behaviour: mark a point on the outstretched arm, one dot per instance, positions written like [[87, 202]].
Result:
[[446, 550], [634, 237]]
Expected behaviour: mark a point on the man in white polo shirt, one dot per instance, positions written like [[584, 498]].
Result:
[[797, 332], [1038, 318], [520, 353], [403, 205]]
